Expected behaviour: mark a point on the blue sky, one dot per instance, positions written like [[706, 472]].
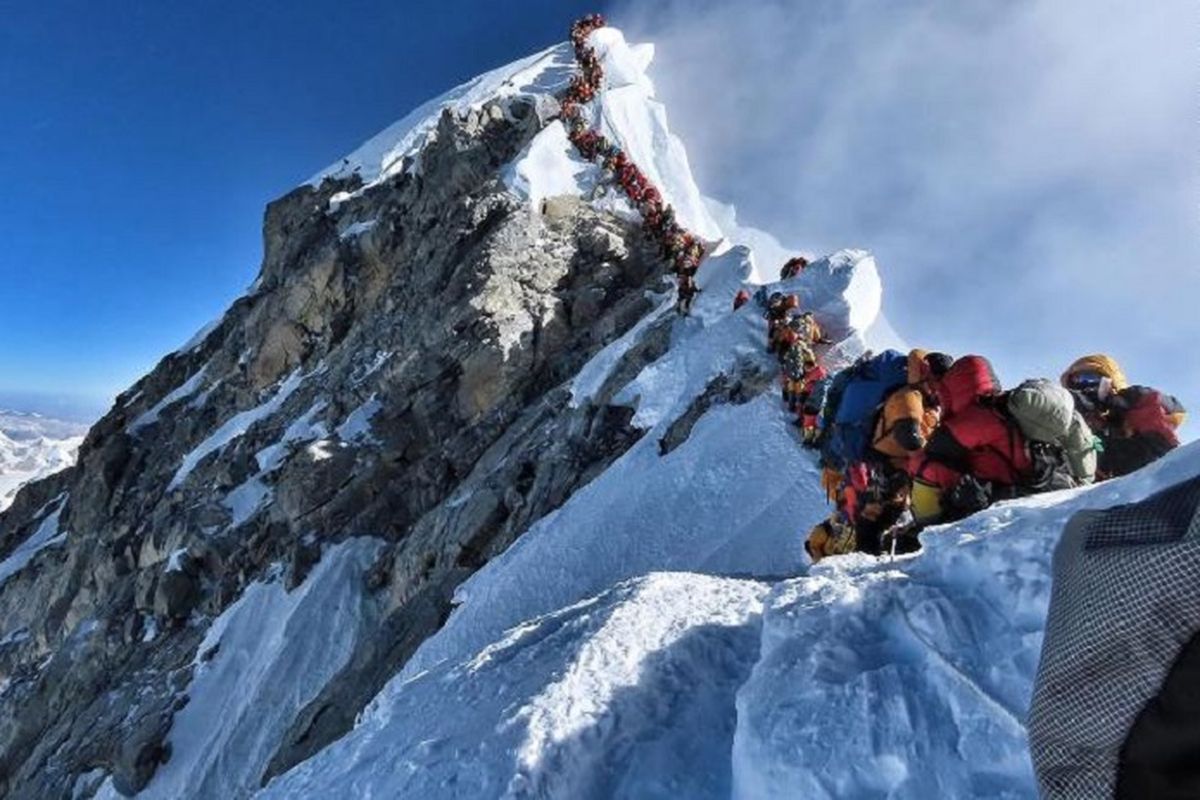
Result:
[[1025, 171], [139, 143]]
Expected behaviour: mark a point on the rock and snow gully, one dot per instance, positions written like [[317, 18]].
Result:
[[452, 505]]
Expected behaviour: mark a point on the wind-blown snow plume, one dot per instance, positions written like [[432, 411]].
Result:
[[1025, 171]]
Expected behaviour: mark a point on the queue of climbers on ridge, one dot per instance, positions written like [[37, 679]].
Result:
[[910, 440], [681, 249], [905, 440]]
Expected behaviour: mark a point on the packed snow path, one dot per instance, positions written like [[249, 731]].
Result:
[[863, 678]]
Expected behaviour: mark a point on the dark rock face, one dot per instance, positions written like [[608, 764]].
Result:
[[748, 381], [397, 371]]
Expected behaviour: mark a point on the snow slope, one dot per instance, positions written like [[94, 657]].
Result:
[[33, 447], [861, 679], [261, 661], [600, 699], [383, 155], [913, 679], [549, 682]]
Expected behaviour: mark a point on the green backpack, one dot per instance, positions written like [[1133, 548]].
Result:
[[1045, 412]]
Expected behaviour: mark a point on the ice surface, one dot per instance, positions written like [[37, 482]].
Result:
[[549, 166], [356, 229], [357, 426], [304, 428], [245, 500]]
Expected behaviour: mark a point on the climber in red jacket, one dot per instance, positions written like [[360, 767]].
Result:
[[976, 455], [793, 267], [1139, 427]]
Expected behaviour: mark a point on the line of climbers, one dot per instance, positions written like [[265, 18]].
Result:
[[793, 335], [681, 249], [912, 440], [905, 441]]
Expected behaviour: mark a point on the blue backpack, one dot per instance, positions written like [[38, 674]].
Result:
[[863, 391]]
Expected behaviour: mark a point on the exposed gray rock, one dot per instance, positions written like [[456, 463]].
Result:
[[747, 382], [176, 594]]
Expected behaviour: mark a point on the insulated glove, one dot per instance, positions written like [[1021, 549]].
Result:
[[970, 495]]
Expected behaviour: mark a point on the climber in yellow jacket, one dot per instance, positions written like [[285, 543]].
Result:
[[910, 413]]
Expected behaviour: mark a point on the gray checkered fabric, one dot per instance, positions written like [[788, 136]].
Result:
[[1125, 600]]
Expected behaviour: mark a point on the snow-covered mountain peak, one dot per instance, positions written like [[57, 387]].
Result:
[[383, 155], [626, 111]]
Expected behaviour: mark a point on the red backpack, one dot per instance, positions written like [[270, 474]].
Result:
[[1151, 412], [969, 378]]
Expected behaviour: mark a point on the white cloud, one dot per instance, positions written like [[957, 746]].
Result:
[[1026, 171]]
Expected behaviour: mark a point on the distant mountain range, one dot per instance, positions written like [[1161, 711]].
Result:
[[33, 446]]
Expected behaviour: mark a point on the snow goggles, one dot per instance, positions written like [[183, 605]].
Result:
[[1086, 380]]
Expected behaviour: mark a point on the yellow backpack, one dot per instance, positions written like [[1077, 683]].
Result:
[[831, 537]]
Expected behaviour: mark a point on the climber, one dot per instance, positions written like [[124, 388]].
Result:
[[687, 295], [801, 369], [910, 413], [975, 456], [741, 298], [1062, 447], [776, 314], [853, 397], [862, 485], [877, 490], [793, 267], [688, 262], [1088, 378], [1140, 428], [1136, 424], [809, 418], [580, 90], [673, 244], [831, 537], [778, 336]]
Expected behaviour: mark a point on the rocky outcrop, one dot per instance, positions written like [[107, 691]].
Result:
[[397, 371]]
